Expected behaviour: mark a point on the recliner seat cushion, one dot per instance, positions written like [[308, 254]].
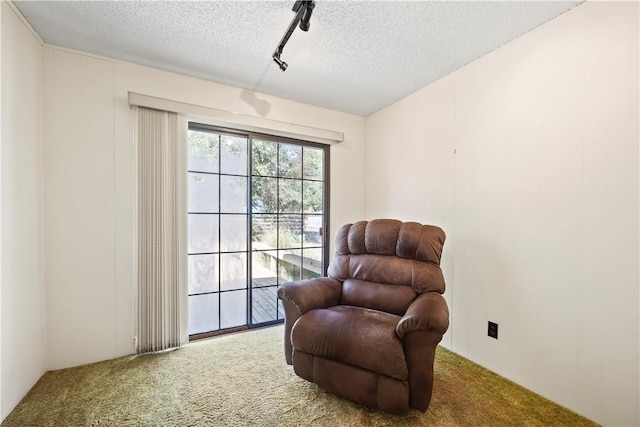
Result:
[[358, 336]]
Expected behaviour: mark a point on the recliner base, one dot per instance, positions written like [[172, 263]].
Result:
[[359, 385]]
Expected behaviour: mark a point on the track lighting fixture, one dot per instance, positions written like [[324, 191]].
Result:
[[303, 10]]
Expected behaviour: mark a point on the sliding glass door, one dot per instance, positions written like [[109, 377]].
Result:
[[257, 213]]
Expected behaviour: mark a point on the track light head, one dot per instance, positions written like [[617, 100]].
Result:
[[306, 16], [283, 65]]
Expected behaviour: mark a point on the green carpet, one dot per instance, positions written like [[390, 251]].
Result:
[[242, 380]]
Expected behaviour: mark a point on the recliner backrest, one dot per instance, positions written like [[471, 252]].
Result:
[[372, 254]]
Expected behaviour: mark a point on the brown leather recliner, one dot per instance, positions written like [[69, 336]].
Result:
[[369, 332]]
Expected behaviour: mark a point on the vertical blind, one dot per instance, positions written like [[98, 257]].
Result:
[[158, 290]]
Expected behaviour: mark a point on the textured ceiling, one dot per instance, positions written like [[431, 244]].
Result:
[[358, 56]]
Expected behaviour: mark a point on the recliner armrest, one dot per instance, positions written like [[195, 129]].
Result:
[[310, 294], [427, 312]]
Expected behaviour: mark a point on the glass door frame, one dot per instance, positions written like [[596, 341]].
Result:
[[193, 124]]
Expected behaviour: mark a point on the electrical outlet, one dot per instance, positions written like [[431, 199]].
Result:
[[493, 330]]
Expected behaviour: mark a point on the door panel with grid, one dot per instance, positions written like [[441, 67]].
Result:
[[256, 220]]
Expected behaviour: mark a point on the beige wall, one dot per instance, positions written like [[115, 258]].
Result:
[[22, 276], [88, 161], [528, 157]]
